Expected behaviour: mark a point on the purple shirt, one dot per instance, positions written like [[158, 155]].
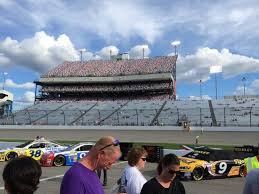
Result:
[[80, 180]]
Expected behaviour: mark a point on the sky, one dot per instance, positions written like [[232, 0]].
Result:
[[36, 36]]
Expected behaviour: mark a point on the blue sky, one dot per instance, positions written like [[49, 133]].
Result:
[[38, 35]]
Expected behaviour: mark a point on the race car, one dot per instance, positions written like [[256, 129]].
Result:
[[66, 157], [34, 149], [203, 162]]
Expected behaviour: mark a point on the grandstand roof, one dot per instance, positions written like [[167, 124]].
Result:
[[111, 68]]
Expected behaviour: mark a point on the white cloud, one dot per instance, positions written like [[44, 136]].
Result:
[[104, 53], [137, 51], [4, 61], [192, 68], [26, 100], [11, 84], [107, 19], [251, 89], [40, 52], [28, 96], [115, 21]]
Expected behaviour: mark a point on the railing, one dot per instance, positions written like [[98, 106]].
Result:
[[247, 117]]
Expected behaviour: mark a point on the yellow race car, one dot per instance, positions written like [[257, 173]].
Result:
[[203, 162], [34, 149]]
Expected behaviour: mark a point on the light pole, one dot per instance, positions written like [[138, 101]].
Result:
[[216, 86], [244, 83], [143, 50], [175, 44], [214, 70], [5, 73], [81, 53], [110, 54]]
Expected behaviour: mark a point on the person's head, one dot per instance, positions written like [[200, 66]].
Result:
[[168, 166], [21, 175], [137, 157], [106, 152]]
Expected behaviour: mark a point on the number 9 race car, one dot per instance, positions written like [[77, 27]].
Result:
[[202, 162], [66, 157], [34, 148]]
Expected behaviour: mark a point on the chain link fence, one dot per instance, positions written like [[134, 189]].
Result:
[[236, 116]]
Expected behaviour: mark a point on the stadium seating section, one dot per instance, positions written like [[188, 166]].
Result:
[[225, 112]]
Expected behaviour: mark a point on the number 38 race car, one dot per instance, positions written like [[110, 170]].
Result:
[[66, 157], [203, 162], [34, 148]]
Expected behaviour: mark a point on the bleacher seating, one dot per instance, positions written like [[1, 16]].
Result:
[[237, 112], [228, 112]]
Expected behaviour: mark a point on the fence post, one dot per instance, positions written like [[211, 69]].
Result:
[[29, 116], [156, 121], [64, 117], [225, 123], [47, 117], [99, 113], [251, 116], [118, 118], [200, 118], [137, 116], [178, 117], [13, 118]]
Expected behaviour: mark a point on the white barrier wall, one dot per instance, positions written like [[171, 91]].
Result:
[[132, 128]]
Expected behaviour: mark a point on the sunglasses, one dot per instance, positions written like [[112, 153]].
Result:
[[172, 172], [144, 159], [116, 142]]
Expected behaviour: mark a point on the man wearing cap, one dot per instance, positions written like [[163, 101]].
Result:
[[81, 177]]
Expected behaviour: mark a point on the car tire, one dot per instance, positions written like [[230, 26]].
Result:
[[242, 171], [59, 160], [11, 156], [198, 173]]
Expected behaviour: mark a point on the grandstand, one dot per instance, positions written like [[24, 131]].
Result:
[[126, 93], [110, 80]]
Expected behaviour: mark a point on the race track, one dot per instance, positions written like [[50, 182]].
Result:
[[159, 136]]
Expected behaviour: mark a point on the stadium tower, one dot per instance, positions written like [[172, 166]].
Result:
[[6, 103], [117, 79]]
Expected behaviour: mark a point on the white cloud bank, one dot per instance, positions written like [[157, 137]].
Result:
[[11, 84], [192, 68], [39, 53], [42, 52]]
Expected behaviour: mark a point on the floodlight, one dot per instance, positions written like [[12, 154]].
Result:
[[176, 43]]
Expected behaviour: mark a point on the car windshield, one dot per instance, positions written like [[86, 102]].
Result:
[[24, 144], [71, 147], [200, 155], [214, 155]]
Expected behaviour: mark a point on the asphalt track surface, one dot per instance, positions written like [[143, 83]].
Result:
[[159, 136], [52, 177]]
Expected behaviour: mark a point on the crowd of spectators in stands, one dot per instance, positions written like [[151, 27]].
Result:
[[101, 68], [106, 88]]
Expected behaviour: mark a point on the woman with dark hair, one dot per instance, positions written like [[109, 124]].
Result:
[[165, 182], [21, 176], [132, 178]]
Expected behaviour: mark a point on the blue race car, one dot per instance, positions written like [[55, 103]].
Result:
[[66, 157]]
